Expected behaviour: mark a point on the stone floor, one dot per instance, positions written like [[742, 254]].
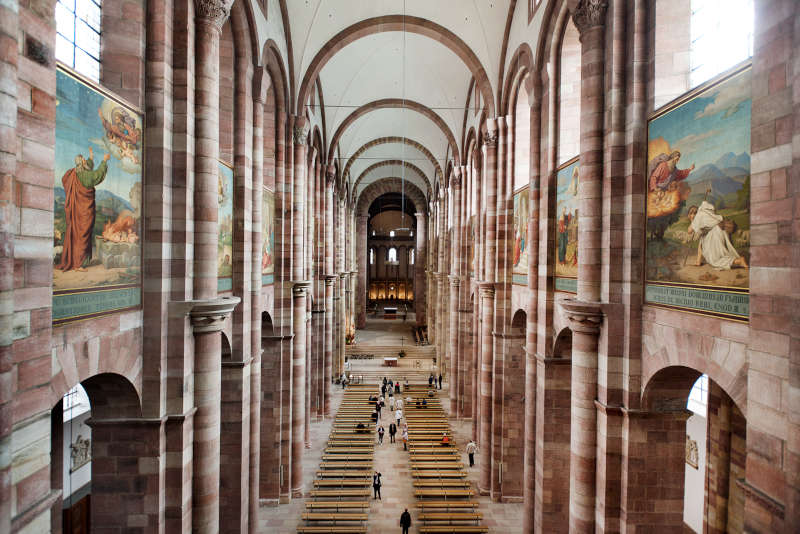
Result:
[[397, 491]]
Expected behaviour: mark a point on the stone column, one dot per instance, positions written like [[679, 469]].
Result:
[[330, 177], [342, 313], [585, 320], [455, 279], [208, 317], [299, 304], [487, 324], [354, 279], [420, 262], [209, 17], [361, 258]]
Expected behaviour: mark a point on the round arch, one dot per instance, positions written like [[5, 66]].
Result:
[[387, 185], [386, 163], [389, 23], [386, 103], [393, 139], [522, 60]]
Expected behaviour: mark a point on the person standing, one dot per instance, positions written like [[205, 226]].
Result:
[[405, 521], [399, 404], [472, 448], [391, 402], [381, 432], [378, 408], [376, 485], [430, 380], [405, 439], [398, 415], [392, 432], [440, 380]]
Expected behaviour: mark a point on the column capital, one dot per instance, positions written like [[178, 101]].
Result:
[[215, 12], [299, 287], [300, 132], [330, 175], [419, 215], [586, 317], [455, 280], [490, 139], [589, 14], [208, 315], [329, 279], [486, 289]]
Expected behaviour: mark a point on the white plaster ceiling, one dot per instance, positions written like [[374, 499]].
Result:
[[390, 171], [396, 65], [392, 151]]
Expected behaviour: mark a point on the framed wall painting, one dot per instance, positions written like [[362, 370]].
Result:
[[97, 201], [519, 259], [566, 256], [225, 228], [698, 201], [268, 237]]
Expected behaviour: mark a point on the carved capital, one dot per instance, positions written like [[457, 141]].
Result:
[[584, 317], [300, 287], [490, 139], [330, 175], [486, 289], [455, 281], [590, 14], [209, 315], [455, 181], [214, 11], [300, 134]]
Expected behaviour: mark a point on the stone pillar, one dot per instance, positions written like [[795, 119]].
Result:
[[343, 294], [653, 473], [487, 324], [259, 95], [585, 320], [589, 18], [209, 17], [299, 305], [420, 263], [269, 420], [328, 352], [552, 494], [208, 317], [455, 361], [299, 293], [361, 258]]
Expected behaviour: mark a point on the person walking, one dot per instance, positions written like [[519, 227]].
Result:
[[398, 414], [404, 435], [440, 380], [405, 521], [378, 409], [472, 448], [399, 404], [381, 431], [376, 486], [430, 380], [391, 402], [392, 432]]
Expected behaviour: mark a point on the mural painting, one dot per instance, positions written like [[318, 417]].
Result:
[[520, 257], [698, 202], [567, 181], [225, 229], [97, 202], [268, 237]]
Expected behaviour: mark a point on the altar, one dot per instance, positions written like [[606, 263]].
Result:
[[390, 362]]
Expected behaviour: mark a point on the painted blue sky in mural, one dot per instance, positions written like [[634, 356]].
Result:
[[710, 125]]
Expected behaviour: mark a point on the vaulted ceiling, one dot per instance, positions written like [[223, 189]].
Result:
[[395, 78]]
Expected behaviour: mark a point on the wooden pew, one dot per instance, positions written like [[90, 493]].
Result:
[[342, 483], [447, 505], [442, 483], [331, 530], [339, 493], [452, 529], [338, 505], [443, 493]]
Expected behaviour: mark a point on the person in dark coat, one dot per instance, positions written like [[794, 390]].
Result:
[[376, 485], [440, 380], [392, 432], [405, 521]]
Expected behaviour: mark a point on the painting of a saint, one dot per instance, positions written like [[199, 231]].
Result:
[[225, 228], [268, 236], [698, 198], [521, 216], [97, 202], [567, 181]]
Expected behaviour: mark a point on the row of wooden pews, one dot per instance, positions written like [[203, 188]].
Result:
[[444, 495], [420, 334], [340, 499]]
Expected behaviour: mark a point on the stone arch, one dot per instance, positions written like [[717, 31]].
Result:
[[562, 346], [267, 326], [387, 103], [388, 162], [277, 72], [387, 185], [390, 23], [227, 352], [393, 139], [521, 61]]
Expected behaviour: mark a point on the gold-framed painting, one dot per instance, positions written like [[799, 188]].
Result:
[[520, 245], [698, 201], [97, 201], [268, 237], [225, 228], [567, 204]]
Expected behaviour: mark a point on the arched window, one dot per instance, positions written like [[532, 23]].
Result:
[[372, 256], [391, 233], [78, 35], [411, 257], [392, 255], [721, 36]]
